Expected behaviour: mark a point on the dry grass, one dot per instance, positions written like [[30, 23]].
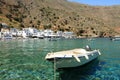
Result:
[[64, 15]]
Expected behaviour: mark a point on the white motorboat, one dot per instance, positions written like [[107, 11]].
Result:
[[115, 39], [72, 58]]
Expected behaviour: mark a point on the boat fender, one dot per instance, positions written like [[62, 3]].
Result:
[[78, 60], [99, 52], [92, 54], [84, 52], [86, 56]]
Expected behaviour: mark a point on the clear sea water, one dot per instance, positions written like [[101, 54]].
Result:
[[24, 60]]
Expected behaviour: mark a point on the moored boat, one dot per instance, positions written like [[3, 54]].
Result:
[[72, 58], [115, 38]]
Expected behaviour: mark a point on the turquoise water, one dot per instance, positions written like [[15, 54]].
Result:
[[24, 60]]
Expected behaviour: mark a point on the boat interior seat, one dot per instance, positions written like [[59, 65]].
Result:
[[78, 51]]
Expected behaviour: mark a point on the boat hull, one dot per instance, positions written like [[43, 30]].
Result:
[[72, 62]]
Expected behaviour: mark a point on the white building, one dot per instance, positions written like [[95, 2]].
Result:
[[14, 32], [67, 34], [59, 33], [5, 31], [48, 33], [19, 33]]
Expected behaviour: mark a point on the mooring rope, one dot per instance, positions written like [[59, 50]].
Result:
[[54, 68]]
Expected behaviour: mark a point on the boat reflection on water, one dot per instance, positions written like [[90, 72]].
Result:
[[80, 73]]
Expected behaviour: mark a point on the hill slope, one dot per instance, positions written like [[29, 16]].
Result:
[[82, 19]]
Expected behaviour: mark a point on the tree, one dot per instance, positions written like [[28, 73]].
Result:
[[22, 25], [1, 11], [101, 34], [38, 22], [9, 16], [0, 26]]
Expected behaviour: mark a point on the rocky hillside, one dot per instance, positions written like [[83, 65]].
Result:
[[82, 19]]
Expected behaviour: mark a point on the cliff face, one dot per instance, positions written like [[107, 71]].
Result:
[[82, 19]]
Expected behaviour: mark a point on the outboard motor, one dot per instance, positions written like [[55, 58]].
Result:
[[87, 47]]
